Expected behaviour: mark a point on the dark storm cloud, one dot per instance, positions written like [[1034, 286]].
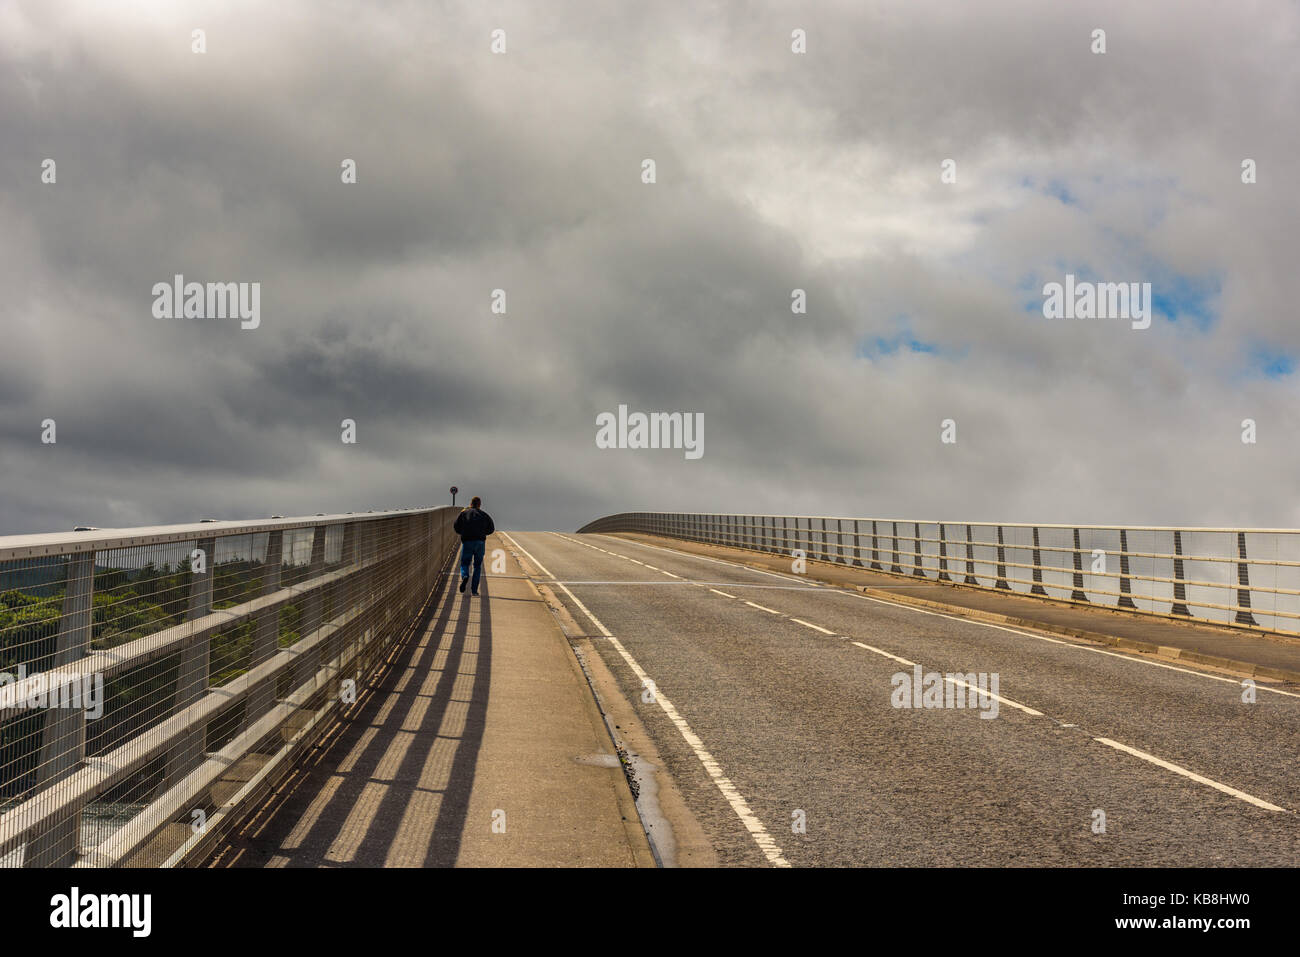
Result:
[[522, 172]]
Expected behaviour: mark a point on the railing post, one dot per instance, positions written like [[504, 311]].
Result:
[[875, 548], [1244, 617], [970, 559], [312, 608], [266, 638], [857, 544], [943, 554], [63, 738], [1077, 594], [424, 551], [1037, 588], [1125, 588], [895, 566], [1002, 564], [917, 571], [192, 670], [1180, 586]]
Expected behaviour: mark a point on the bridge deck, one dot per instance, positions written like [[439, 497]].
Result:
[[791, 720], [1264, 654]]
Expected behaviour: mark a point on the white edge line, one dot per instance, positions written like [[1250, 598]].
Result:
[[540, 566], [766, 843]]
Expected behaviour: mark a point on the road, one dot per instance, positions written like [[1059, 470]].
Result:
[[772, 715]]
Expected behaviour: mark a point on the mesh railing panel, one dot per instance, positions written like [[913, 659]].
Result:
[[1248, 578], [150, 678]]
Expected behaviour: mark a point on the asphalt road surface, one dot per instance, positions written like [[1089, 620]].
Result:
[[774, 713]]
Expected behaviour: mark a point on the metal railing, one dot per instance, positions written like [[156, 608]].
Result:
[[153, 681], [1243, 577]]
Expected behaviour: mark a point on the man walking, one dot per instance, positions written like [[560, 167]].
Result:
[[473, 525]]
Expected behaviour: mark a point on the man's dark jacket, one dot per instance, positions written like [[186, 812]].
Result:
[[474, 525]]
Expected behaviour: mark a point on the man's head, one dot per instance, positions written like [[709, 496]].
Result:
[[475, 502]]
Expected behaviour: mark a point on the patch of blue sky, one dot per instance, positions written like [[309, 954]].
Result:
[[1057, 189], [902, 341], [1269, 362], [1177, 297]]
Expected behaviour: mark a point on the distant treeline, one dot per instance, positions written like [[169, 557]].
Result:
[[128, 604]]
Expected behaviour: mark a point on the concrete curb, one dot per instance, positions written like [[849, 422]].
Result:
[[627, 798]]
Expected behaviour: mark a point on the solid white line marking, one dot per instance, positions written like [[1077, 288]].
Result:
[[770, 611], [722, 593], [766, 843], [530, 557], [1242, 795], [809, 624]]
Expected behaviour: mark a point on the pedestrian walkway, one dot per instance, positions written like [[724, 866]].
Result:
[[479, 745]]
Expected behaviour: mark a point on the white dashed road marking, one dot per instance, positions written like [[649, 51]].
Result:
[[910, 664], [1169, 766], [809, 624], [1241, 795]]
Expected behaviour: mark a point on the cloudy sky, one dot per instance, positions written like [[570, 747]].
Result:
[[775, 171]]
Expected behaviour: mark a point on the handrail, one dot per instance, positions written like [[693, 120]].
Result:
[[219, 651], [1240, 577]]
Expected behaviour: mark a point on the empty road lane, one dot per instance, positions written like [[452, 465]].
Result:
[[774, 705]]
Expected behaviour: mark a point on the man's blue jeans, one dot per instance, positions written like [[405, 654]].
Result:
[[472, 550]]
